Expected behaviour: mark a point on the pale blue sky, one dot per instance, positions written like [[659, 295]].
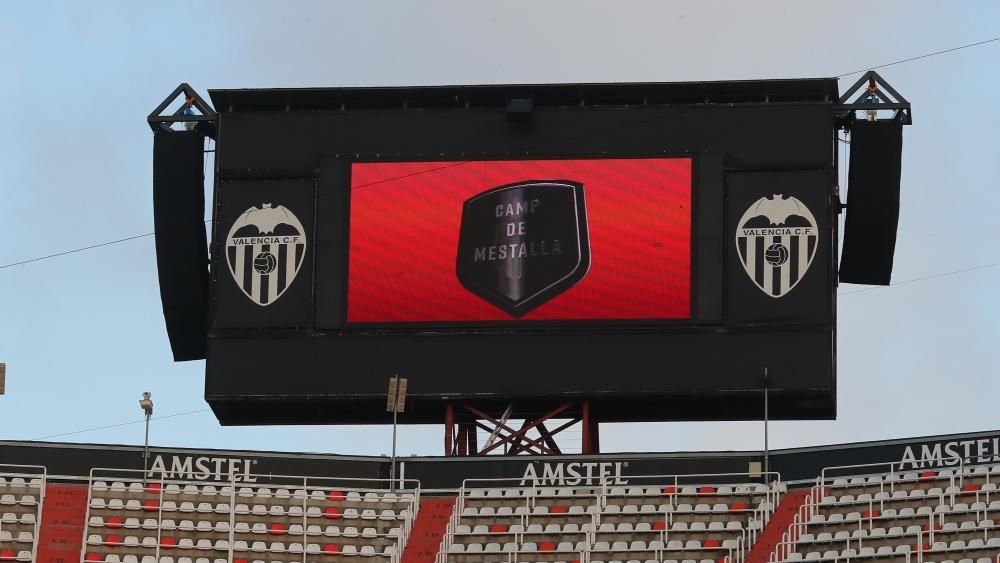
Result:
[[83, 334]]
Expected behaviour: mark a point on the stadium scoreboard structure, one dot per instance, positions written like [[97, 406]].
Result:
[[651, 248], [648, 250]]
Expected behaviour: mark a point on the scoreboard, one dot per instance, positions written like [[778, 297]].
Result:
[[650, 248]]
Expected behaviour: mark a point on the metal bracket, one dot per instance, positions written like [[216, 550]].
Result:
[[890, 99], [206, 121]]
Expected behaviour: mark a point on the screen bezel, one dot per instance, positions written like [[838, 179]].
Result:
[[518, 325]]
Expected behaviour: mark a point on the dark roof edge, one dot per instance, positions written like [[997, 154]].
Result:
[[609, 455], [584, 93]]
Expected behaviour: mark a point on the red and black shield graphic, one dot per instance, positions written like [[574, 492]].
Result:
[[522, 244]]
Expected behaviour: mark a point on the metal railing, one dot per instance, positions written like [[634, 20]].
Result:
[[238, 481], [891, 479], [533, 489], [29, 473]]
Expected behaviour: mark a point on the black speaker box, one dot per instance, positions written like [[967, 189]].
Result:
[[872, 202], [181, 245]]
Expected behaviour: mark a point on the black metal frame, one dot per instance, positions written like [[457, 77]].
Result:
[[206, 121], [845, 108]]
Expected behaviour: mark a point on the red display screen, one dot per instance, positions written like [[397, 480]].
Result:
[[513, 241]]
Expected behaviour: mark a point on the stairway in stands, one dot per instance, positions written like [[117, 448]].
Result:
[[780, 521], [61, 529], [425, 537]]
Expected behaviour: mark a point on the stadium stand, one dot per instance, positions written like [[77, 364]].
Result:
[[274, 519], [877, 513], [22, 490], [705, 518]]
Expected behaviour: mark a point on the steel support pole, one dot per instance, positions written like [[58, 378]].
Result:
[[392, 467], [767, 449], [145, 451], [449, 429]]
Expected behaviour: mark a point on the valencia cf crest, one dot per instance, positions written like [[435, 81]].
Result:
[[264, 251], [777, 239], [522, 244]]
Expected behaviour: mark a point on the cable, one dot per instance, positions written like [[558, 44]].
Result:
[[108, 243], [920, 57], [930, 277], [119, 424], [449, 165], [65, 252]]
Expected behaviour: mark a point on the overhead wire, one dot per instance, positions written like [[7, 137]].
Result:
[[120, 424], [917, 58], [458, 163], [923, 278]]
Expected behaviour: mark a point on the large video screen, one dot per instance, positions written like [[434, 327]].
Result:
[[520, 241]]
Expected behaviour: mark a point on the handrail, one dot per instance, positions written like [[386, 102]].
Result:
[[235, 482], [42, 489]]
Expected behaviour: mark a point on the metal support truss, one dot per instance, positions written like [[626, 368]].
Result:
[[206, 120], [889, 99], [463, 420]]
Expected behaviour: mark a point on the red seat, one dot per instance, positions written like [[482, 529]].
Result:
[[278, 529], [331, 512], [151, 505], [547, 546], [331, 548], [114, 522], [738, 506], [970, 488], [928, 475], [87, 557], [870, 514], [558, 509], [659, 525], [712, 544], [168, 543], [498, 528], [706, 490], [112, 540], [669, 490], [335, 496], [153, 488], [10, 555], [240, 561]]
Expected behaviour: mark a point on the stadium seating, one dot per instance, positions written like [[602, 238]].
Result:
[[276, 520], [652, 519], [874, 514], [22, 490]]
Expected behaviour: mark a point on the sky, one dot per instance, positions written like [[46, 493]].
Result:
[[83, 334]]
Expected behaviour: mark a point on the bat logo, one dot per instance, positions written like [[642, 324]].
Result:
[[264, 251], [776, 239]]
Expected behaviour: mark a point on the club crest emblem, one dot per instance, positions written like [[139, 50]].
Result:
[[264, 251], [776, 239], [522, 244]]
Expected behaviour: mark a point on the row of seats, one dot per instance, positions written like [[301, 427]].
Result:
[[140, 490], [348, 550], [473, 511], [204, 544], [294, 511], [657, 491], [224, 527]]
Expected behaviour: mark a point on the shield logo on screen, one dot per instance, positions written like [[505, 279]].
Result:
[[776, 239], [264, 250], [522, 244]]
